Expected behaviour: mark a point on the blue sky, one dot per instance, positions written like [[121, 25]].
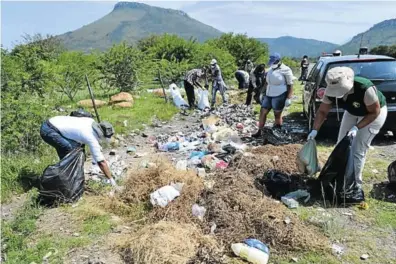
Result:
[[330, 21]]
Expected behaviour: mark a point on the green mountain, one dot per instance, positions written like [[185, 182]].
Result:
[[298, 47], [130, 21], [383, 33]]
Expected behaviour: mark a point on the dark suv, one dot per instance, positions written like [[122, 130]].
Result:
[[381, 70]]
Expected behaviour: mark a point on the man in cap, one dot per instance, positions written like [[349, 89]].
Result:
[[256, 84], [242, 78], [304, 69], [278, 94], [66, 133], [218, 82], [191, 80], [365, 112]]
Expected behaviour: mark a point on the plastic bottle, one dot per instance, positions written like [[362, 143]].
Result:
[[290, 202], [253, 255]]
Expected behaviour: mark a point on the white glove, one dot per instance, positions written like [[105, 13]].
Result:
[[353, 131], [288, 102], [312, 135], [113, 182]]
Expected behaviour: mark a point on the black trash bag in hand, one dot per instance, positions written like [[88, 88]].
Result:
[[339, 185], [64, 181]]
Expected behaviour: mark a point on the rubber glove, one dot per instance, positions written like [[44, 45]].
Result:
[[353, 131], [288, 102], [113, 182], [312, 135]]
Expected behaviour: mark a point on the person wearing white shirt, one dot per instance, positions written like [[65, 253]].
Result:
[[279, 92], [66, 133]]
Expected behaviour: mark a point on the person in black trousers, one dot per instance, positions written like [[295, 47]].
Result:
[[190, 80], [256, 83]]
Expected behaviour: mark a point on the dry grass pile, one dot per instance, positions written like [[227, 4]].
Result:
[[282, 158], [241, 211], [166, 242], [139, 185]]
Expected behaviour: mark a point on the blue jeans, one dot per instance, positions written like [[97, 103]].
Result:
[[53, 137], [276, 103]]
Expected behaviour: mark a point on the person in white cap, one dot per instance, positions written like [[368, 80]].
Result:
[[365, 112], [337, 53], [218, 82]]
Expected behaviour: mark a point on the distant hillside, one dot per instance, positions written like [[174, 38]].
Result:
[[298, 47], [383, 33], [131, 21]]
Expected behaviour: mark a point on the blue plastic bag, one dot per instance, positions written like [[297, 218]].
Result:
[[251, 242]]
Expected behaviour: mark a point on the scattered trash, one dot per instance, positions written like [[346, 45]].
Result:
[[198, 211], [170, 146], [347, 214], [294, 260], [239, 126], [276, 183], [165, 194], [257, 244], [250, 254], [213, 228], [181, 165], [131, 150], [221, 165], [125, 123], [289, 202], [363, 206], [375, 171], [144, 135], [364, 256], [201, 172], [76, 234], [298, 195], [287, 220], [112, 152], [337, 249]]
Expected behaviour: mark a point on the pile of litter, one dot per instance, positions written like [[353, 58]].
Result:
[[139, 185], [241, 211], [166, 242]]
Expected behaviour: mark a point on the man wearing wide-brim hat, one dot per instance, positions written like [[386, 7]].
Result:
[[365, 112]]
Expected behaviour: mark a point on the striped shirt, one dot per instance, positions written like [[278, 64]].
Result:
[[193, 75]]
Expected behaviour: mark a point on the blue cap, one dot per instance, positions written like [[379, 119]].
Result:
[[274, 57]]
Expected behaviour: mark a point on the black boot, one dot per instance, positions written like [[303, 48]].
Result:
[[258, 134]]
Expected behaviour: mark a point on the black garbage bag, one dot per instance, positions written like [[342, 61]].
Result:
[[335, 182], [277, 183], [392, 175], [224, 156], [64, 181], [230, 149]]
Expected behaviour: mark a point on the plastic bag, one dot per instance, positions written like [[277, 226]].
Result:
[[337, 179], [165, 195], [203, 101], [64, 181], [177, 98], [198, 211], [307, 158], [277, 184]]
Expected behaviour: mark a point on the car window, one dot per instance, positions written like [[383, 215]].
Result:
[[373, 70], [314, 72]]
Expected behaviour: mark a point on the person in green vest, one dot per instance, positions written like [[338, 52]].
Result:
[[365, 112]]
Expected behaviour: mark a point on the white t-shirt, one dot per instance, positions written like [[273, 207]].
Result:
[[278, 79], [79, 129]]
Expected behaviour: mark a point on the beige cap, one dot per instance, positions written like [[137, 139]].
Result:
[[339, 81]]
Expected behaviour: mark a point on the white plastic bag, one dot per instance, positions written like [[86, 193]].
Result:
[[198, 211], [176, 96], [165, 195], [203, 99], [307, 158]]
